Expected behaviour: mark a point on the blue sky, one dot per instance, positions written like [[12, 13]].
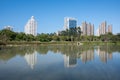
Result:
[[50, 13]]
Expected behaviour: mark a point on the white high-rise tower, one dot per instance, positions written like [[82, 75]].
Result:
[[31, 27]]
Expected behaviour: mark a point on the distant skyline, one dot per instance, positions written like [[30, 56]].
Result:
[[50, 13]]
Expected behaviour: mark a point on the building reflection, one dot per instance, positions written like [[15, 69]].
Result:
[[31, 59], [72, 54], [87, 56], [70, 61], [110, 55], [103, 54]]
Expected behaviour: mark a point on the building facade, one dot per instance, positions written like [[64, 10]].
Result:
[[69, 23], [103, 29], [109, 28], [87, 29], [84, 28], [31, 27]]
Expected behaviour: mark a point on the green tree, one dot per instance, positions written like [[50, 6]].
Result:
[[44, 37], [29, 37], [55, 38], [21, 37], [7, 35], [78, 33]]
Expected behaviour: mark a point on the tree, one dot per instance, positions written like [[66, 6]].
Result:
[[44, 37], [21, 37], [30, 37], [55, 38], [78, 32], [7, 35]]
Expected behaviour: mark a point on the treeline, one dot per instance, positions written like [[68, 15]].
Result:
[[68, 35], [73, 34]]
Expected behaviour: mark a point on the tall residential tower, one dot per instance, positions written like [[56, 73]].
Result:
[[103, 29], [87, 29], [31, 27], [110, 28]]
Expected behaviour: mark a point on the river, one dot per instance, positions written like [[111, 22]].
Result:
[[60, 62]]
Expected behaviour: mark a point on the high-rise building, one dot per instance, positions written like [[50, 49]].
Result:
[[110, 28], [84, 28], [102, 28], [31, 27], [87, 29], [92, 29], [69, 23]]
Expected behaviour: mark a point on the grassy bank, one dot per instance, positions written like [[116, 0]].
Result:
[[36, 43], [59, 43], [101, 43]]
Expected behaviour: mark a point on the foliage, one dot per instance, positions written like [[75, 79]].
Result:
[[72, 34], [44, 37], [7, 35]]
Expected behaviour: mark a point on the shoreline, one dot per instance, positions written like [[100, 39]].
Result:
[[17, 43]]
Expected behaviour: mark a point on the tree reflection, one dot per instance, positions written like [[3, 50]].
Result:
[[10, 52], [71, 53]]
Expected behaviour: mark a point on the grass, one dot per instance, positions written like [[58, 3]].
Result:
[[59, 42]]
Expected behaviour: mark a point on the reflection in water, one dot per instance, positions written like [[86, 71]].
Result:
[[104, 55], [53, 63], [71, 53], [87, 55], [31, 59], [69, 61]]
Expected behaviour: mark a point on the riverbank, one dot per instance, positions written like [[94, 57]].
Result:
[[101, 43], [13, 43]]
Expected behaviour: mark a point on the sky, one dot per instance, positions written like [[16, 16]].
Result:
[[50, 14]]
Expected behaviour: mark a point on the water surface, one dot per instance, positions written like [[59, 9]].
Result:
[[57, 62]]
